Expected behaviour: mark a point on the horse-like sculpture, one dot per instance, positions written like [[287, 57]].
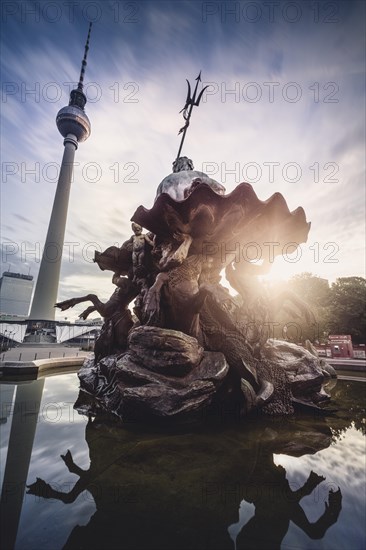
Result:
[[117, 317]]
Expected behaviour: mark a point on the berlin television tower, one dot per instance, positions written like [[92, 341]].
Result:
[[74, 126]]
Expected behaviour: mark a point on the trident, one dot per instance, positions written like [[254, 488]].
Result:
[[187, 109]]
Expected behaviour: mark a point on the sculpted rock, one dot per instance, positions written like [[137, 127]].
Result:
[[210, 367], [164, 374], [150, 400], [166, 351]]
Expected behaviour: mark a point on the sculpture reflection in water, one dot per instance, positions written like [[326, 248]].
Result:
[[276, 504], [191, 344], [146, 496]]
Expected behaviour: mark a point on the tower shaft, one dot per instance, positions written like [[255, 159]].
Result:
[[45, 295], [74, 125]]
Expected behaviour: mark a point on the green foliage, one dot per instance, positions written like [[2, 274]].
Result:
[[348, 308], [315, 292], [339, 309]]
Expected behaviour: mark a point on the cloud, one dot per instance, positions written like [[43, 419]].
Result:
[[248, 126], [22, 218]]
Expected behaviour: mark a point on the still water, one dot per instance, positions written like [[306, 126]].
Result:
[[225, 486]]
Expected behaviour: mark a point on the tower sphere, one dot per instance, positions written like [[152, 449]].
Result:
[[73, 120]]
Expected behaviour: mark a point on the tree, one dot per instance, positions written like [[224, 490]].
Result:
[[315, 292], [339, 309], [312, 289], [347, 308]]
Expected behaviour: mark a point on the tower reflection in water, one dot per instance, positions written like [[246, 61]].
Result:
[[194, 489]]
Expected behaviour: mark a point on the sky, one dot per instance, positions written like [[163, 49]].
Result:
[[284, 111]]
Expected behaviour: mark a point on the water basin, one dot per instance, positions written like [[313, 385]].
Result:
[[225, 484]]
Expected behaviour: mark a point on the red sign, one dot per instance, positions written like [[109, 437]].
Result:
[[340, 338]]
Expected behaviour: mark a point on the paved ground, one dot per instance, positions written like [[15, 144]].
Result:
[[346, 361], [30, 353], [348, 364]]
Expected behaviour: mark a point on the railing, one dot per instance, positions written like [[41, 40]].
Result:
[[33, 355]]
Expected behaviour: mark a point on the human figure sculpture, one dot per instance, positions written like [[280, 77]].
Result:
[[184, 174], [140, 267], [179, 185], [139, 240], [176, 297]]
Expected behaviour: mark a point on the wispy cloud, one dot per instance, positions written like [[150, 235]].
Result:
[[136, 75]]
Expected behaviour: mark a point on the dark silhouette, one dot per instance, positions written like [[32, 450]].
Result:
[[276, 505], [167, 491]]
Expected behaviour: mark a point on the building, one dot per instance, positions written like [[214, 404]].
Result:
[[15, 293], [340, 345]]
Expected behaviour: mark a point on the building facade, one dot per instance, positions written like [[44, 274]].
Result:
[[15, 293]]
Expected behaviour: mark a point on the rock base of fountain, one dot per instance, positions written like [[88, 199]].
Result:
[[166, 374]]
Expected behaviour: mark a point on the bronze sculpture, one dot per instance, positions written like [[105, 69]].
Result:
[[193, 344], [117, 317]]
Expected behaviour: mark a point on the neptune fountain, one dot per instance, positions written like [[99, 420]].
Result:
[[189, 344]]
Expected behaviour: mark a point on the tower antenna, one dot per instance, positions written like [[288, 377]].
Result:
[[77, 96], [83, 63]]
